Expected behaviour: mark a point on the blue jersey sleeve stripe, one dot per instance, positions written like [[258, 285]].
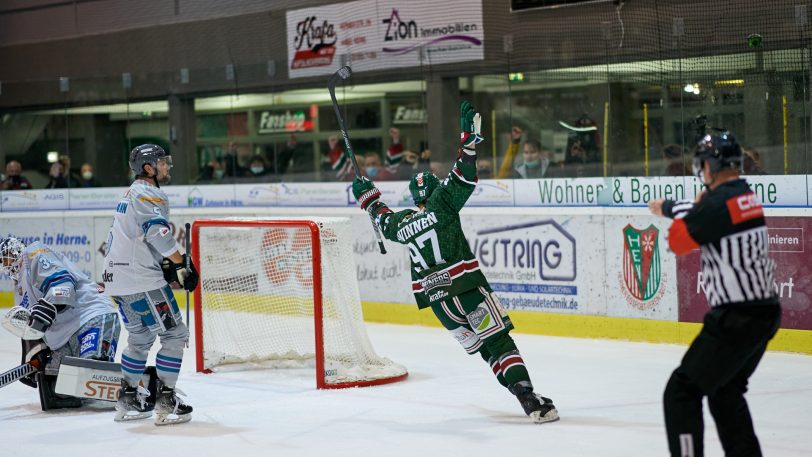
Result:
[[157, 221], [56, 278]]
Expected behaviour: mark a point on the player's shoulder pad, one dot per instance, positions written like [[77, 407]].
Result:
[[40, 257]]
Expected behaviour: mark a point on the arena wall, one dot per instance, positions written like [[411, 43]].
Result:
[[601, 269]]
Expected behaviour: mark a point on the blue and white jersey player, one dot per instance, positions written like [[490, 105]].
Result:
[[141, 261], [58, 312]]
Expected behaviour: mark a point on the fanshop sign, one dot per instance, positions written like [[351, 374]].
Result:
[[284, 121]]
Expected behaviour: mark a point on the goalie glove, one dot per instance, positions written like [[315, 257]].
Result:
[[470, 126], [177, 272], [43, 314], [36, 353], [365, 192]]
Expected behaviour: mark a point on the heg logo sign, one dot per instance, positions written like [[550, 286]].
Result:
[[397, 29]]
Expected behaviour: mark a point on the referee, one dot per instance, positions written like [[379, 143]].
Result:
[[726, 222]]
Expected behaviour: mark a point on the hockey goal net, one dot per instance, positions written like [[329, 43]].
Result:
[[280, 293]]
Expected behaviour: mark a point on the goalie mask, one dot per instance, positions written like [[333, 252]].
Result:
[[720, 150], [10, 251], [422, 185]]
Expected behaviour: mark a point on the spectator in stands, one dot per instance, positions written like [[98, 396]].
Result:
[[61, 176], [88, 178], [676, 164], [484, 169], [290, 158], [583, 153], [402, 164], [257, 167], [213, 172], [340, 167], [373, 168], [535, 162], [235, 161], [14, 178], [506, 170], [752, 162]]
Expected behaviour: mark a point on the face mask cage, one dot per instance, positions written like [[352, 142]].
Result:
[[11, 249]]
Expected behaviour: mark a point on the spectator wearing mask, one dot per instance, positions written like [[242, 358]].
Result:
[[213, 172], [60, 174], [88, 178], [535, 162], [257, 167], [373, 168], [14, 179]]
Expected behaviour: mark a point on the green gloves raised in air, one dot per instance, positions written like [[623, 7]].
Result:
[[470, 126], [365, 192]]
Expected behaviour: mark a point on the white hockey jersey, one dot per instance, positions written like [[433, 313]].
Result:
[[139, 239], [46, 274]]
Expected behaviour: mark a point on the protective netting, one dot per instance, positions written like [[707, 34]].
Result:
[[257, 299]]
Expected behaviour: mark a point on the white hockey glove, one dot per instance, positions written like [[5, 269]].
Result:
[[43, 314]]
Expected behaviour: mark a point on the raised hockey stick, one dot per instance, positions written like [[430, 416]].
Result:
[[343, 74], [15, 374], [188, 266]]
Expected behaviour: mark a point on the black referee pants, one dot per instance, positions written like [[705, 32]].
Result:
[[718, 364]]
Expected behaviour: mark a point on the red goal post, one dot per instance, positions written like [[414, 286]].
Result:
[[282, 292]]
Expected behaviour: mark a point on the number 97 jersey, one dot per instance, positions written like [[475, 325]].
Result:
[[443, 265]]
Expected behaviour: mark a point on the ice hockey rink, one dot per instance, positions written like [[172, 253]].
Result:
[[608, 394]]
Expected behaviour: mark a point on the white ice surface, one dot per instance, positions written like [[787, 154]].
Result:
[[608, 394]]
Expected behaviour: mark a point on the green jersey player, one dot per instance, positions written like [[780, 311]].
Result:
[[446, 275]]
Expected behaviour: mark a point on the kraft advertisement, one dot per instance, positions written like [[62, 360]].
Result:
[[790, 247], [383, 34]]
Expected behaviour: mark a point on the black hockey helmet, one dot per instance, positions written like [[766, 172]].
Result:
[[147, 154], [720, 150], [422, 185], [11, 249]]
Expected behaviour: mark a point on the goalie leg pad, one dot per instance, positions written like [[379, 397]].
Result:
[[49, 399]]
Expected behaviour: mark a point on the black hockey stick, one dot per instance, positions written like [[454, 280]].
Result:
[[343, 74], [188, 267], [15, 374]]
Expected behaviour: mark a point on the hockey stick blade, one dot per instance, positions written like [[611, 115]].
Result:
[[15, 374]]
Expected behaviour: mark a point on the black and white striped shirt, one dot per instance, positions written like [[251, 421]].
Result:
[[728, 227]]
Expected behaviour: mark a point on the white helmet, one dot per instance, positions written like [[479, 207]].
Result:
[[10, 251]]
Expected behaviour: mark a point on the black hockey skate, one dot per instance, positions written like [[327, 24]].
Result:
[[540, 409], [170, 409], [133, 403]]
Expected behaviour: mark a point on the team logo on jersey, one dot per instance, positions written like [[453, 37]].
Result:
[[438, 279], [642, 274], [89, 342], [61, 291]]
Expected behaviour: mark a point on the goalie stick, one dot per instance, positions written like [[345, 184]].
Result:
[[188, 266], [343, 74], [15, 374]]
